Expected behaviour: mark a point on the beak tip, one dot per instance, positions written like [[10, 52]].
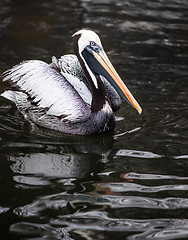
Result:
[[140, 110]]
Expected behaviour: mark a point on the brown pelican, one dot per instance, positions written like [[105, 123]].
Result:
[[76, 94]]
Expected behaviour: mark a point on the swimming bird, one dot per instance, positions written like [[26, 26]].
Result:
[[75, 94]]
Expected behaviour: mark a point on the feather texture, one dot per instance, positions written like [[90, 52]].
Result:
[[70, 68], [49, 89]]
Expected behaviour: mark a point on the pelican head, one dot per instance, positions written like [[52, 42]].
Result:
[[90, 51]]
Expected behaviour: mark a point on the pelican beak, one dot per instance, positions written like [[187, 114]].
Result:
[[115, 79]]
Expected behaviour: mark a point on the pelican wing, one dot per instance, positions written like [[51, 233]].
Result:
[[71, 69], [49, 89]]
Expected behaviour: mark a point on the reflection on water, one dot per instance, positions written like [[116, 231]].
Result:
[[49, 165], [69, 166], [130, 184]]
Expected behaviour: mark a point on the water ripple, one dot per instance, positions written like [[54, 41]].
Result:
[[87, 222], [82, 202], [144, 202], [133, 187], [137, 154], [143, 176]]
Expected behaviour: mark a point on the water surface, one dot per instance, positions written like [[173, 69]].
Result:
[[128, 184]]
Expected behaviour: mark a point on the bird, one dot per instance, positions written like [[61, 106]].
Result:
[[76, 94]]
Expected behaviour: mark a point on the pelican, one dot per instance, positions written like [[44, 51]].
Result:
[[75, 94]]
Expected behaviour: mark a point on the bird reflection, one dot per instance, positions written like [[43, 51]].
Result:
[[68, 160], [51, 165]]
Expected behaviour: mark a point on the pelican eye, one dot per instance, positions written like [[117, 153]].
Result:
[[95, 47], [92, 44]]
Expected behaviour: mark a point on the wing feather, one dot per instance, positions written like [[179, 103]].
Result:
[[49, 89], [70, 68]]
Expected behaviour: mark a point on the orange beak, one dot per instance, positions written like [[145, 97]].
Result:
[[115, 79]]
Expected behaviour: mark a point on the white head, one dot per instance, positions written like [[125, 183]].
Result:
[[86, 38]]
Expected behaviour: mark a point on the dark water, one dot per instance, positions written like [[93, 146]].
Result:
[[130, 184]]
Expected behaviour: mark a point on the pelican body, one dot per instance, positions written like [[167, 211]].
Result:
[[76, 94]]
